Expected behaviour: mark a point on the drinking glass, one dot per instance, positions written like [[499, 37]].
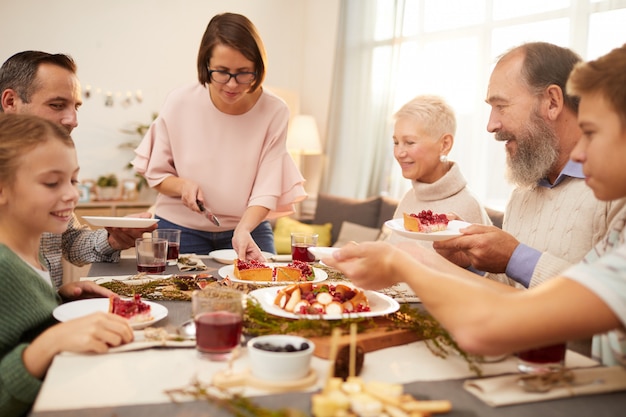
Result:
[[218, 315], [173, 243], [541, 360], [300, 244], [151, 255]]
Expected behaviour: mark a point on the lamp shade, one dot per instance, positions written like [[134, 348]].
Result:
[[303, 136]]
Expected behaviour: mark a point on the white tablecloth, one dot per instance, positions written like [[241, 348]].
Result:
[[141, 377]]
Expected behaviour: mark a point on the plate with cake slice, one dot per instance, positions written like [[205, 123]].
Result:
[[275, 273], [80, 308], [452, 230]]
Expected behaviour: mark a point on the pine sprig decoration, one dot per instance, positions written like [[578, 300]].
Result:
[[236, 404]]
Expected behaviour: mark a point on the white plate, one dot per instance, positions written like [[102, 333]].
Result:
[[397, 225], [227, 256], [129, 222], [229, 271], [322, 252], [80, 308], [281, 258], [380, 304]]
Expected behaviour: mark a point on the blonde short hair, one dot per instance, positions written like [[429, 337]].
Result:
[[432, 112]]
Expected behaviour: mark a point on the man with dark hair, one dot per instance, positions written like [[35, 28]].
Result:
[[46, 85]]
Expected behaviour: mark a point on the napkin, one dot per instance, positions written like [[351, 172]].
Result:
[[191, 262], [506, 390], [401, 292], [153, 337]]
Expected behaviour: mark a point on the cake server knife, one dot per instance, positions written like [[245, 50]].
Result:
[[209, 215]]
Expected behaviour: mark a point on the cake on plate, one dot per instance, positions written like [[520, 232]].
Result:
[[252, 270], [258, 271], [425, 222], [132, 309]]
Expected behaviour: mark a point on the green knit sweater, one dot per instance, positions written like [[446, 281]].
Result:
[[26, 304]]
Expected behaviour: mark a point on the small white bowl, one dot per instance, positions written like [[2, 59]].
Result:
[[280, 366]]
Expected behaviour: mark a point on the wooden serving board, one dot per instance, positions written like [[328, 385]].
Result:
[[373, 339]]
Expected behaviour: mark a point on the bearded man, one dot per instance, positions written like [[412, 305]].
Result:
[[552, 218]]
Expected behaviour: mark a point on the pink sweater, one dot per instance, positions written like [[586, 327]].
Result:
[[237, 160]]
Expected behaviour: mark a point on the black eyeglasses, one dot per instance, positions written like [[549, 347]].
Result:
[[224, 77]]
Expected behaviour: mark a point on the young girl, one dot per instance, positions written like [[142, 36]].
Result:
[[38, 176], [587, 299]]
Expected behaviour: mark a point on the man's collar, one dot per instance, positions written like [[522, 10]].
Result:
[[571, 169]]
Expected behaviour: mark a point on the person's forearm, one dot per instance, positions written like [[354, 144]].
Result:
[[251, 218], [38, 355], [462, 302], [170, 186]]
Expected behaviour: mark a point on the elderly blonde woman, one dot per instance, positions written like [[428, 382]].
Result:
[[423, 137]]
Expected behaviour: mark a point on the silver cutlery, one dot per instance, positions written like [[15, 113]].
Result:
[[208, 213], [545, 382]]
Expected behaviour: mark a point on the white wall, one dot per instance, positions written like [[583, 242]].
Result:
[[151, 45]]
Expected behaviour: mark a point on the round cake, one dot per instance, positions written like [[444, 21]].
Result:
[[257, 271]]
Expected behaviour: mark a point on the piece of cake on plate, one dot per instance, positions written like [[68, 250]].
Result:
[[132, 309], [425, 222], [295, 271], [252, 270]]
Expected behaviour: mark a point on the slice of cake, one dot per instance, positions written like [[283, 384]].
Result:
[[425, 222], [252, 270], [295, 271], [133, 309]]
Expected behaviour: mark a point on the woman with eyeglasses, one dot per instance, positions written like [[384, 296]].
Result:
[[216, 153]]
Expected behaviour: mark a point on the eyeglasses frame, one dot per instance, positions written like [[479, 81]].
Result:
[[231, 75]]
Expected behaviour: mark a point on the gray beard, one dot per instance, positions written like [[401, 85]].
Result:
[[537, 152]]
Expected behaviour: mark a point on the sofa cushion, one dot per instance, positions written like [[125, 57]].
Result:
[[387, 209], [285, 225], [336, 210], [352, 232]]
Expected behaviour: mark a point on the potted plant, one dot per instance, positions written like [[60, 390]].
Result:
[[106, 187], [139, 130]]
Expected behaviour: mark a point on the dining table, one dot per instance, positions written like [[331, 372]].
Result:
[[140, 382]]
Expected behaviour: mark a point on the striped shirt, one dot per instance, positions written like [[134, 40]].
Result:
[[79, 245], [603, 271]]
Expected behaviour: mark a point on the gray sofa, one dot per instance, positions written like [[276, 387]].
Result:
[[372, 212]]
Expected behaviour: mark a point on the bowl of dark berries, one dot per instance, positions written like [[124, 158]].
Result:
[[280, 357]]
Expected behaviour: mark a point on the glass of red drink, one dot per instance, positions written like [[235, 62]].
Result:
[[173, 243], [218, 316], [300, 244], [544, 359], [151, 255]]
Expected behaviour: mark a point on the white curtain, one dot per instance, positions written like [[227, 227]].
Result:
[[358, 126], [392, 50]]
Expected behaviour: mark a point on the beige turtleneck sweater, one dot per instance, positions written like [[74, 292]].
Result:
[[448, 194]]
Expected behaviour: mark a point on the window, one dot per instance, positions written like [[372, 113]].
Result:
[[395, 50]]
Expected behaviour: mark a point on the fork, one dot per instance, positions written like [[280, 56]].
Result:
[[545, 382]]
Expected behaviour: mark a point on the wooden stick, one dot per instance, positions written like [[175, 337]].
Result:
[[334, 346], [352, 372]]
